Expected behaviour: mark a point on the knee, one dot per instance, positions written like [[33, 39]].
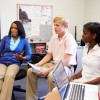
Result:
[[29, 71], [31, 75], [50, 77], [55, 89], [10, 75]]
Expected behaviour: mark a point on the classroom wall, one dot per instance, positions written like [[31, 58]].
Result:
[[78, 11], [74, 9], [92, 10]]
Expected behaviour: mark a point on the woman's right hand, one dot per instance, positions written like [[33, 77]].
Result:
[[17, 56]]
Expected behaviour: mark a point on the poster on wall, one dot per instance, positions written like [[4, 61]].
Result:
[[37, 21]]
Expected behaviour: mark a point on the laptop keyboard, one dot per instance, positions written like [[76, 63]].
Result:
[[77, 92]]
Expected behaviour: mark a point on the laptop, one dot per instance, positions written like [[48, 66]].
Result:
[[70, 90]]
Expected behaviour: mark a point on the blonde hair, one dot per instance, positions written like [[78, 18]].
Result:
[[61, 20]]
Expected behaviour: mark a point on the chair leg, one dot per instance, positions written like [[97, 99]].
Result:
[[18, 88], [13, 96]]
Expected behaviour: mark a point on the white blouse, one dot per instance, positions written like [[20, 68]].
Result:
[[90, 64]]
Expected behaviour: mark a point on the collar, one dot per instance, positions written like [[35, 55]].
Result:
[[63, 36], [94, 48]]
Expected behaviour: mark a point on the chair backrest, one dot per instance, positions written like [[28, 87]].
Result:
[[35, 58], [22, 72], [79, 58]]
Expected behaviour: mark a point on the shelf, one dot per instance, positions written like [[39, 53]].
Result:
[[37, 42], [33, 47]]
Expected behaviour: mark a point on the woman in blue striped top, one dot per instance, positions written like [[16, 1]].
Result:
[[11, 48]]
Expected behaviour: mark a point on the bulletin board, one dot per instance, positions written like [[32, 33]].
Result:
[[37, 20]]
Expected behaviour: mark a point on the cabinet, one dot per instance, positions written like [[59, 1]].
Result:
[[37, 56], [38, 47]]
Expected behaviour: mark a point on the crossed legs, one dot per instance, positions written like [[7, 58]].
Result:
[[31, 88]]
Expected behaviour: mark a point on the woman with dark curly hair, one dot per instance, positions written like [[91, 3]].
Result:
[[11, 52]]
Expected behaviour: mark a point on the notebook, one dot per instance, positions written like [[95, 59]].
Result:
[[35, 69], [70, 90]]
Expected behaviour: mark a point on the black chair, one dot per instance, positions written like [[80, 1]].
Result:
[[20, 75], [36, 58], [82, 43], [75, 66], [23, 73]]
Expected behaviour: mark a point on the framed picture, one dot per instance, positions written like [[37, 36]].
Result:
[[37, 21]]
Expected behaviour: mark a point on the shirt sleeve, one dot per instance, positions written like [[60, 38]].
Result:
[[70, 45], [27, 50], [50, 46]]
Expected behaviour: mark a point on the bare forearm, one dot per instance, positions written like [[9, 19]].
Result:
[[79, 74], [66, 59], [75, 76], [95, 81], [45, 59]]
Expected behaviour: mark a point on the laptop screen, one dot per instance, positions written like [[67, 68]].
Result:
[[66, 88], [59, 75]]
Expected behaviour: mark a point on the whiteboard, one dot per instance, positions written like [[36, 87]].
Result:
[[36, 19]]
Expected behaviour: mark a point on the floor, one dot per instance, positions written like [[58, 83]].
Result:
[[42, 88]]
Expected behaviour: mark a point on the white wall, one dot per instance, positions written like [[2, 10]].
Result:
[[74, 9], [92, 10]]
